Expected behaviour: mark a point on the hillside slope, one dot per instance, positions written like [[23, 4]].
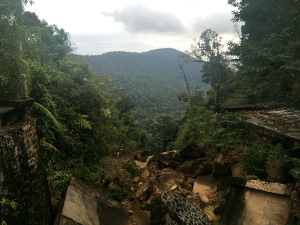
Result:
[[152, 79]]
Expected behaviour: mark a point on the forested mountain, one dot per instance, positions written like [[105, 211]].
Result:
[[152, 79]]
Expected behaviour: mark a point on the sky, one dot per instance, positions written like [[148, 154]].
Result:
[[97, 27]]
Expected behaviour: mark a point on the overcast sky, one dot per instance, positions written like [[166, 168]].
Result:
[[97, 26]]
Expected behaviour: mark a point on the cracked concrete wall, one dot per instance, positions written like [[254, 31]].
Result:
[[23, 176]]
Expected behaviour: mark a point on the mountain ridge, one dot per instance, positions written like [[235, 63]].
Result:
[[152, 79]]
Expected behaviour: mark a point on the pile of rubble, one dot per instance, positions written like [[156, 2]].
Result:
[[179, 188]]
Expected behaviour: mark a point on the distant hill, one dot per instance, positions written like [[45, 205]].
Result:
[[152, 79]]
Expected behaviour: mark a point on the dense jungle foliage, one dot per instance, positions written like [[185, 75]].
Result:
[[151, 79], [83, 116], [79, 119]]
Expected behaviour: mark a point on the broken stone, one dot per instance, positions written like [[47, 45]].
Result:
[[210, 214], [136, 179], [140, 165], [198, 153], [153, 166], [204, 199], [158, 157], [173, 209], [205, 186], [197, 167], [219, 207], [119, 179], [145, 191], [188, 149], [81, 205], [220, 167], [141, 217], [164, 179], [249, 206], [134, 205], [141, 155]]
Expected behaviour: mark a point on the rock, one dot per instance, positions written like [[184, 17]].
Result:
[[145, 191], [120, 179], [220, 167], [173, 209], [164, 179], [204, 199], [173, 164], [205, 186], [197, 167], [188, 184], [148, 158], [141, 217], [163, 165], [141, 165], [136, 179], [158, 157], [213, 218], [81, 205], [198, 153], [131, 152], [188, 149], [141, 155], [170, 154], [134, 205], [177, 189], [153, 166], [237, 170], [219, 207], [249, 206], [145, 174]]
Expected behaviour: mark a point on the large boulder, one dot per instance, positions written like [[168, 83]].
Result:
[[132, 152], [188, 149], [221, 167], [145, 191], [256, 203], [140, 217], [120, 179], [162, 157], [164, 179], [81, 205], [198, 153], [141, 155], [173, 209], [195, 168], [205, 186]]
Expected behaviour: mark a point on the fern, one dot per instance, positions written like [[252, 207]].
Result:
[[83, 123], [46, 112]]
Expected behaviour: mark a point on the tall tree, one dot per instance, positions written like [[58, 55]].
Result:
[[268, 54], [209, 51]]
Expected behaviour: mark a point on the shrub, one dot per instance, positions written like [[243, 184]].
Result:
[[130, 166]]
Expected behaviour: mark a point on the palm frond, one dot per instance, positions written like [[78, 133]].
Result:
[[46, 112]]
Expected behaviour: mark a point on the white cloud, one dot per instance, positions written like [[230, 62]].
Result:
[[128, 25]]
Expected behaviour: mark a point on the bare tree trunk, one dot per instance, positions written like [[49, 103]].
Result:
[[180, 66]]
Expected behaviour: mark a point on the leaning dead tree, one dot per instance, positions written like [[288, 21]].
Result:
[[180, 66]]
